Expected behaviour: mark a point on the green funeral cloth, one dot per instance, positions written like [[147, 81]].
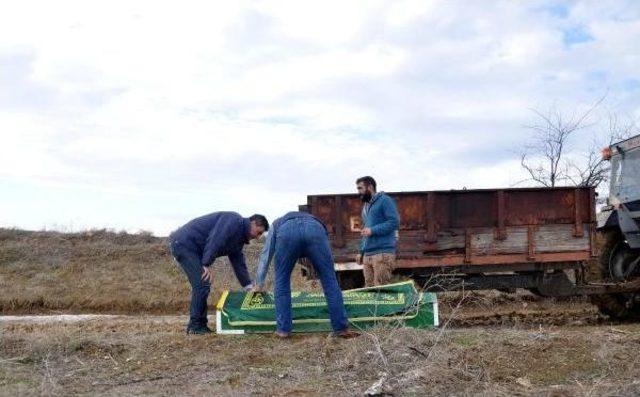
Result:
[[366, 307]]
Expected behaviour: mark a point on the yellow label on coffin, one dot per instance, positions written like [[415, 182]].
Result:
[[257, 301]]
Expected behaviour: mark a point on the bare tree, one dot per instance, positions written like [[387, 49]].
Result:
[[546, 159], [594, 170]]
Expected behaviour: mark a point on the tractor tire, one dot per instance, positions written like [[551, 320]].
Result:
[[620, 306]]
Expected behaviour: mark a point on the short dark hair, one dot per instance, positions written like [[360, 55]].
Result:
[[368, 181], [260, 220]]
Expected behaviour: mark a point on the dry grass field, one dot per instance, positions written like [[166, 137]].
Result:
[[98, 271], [152, 356], [490, 343]]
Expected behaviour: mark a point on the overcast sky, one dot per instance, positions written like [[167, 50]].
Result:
[[139, 115]]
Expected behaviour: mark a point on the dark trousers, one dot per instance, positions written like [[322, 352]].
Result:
[[305, 237], [191, 264]]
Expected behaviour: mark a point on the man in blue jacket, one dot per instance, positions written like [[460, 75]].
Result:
[[380, 222], [198, 243], [293, 236]]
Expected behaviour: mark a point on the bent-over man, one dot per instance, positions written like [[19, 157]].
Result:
[[198, 243], [293, 236]]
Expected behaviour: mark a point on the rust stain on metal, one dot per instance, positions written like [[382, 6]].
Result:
[[441, 228], [579, 230], [432, 234], [467, 246], [488, 260], [501, 232], [338, 224], [531, 243]]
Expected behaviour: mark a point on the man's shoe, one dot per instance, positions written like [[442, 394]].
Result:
[[345, 334], [282, 335], [199, 331]]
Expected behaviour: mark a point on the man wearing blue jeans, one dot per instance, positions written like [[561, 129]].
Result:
[[293, 236], [198, 243]]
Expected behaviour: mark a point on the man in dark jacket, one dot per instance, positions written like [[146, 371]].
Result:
[[380, 222], [198, 243], [293, 236]]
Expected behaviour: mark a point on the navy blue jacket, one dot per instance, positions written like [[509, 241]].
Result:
[[218, 234]]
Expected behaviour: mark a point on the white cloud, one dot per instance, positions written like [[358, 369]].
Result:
[[156, 113]]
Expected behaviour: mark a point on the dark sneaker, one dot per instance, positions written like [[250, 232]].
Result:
[[345, 334], [199, 331]]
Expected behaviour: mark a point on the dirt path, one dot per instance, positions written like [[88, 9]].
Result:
[[464, 317], [65, 318]]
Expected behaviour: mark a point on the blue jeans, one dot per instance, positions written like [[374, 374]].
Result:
[[191, 264], [297, 238]]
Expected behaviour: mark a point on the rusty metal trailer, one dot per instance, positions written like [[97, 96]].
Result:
[[541, 239]]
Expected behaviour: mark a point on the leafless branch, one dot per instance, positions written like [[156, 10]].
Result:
[[548, 161]]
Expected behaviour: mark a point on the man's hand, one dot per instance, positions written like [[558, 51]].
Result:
[[206, 274], [366, 232], [258, 288], [359, 259]]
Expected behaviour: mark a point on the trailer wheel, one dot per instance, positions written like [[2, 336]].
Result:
[[612, 265], [535, 291], [614, 306], [350, 279]]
